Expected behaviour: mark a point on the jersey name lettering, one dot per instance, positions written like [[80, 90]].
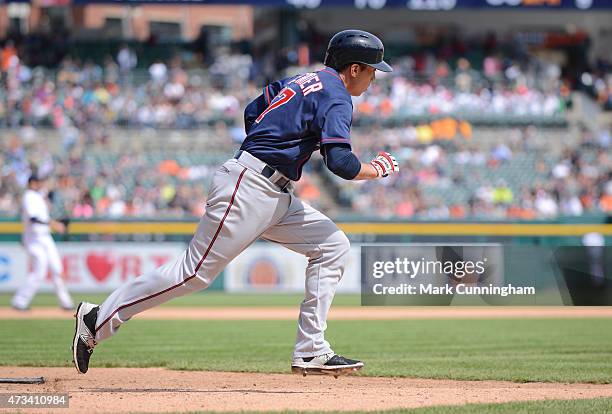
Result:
[[312, 88], [303, 80]]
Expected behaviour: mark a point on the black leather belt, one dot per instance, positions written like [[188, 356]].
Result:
[[268, 172]]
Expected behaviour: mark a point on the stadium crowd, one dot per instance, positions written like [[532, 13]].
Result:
[[439, 179], [513, 179], [87, 95], [437, 90], [443, 175], [599, 85], [80, 187]]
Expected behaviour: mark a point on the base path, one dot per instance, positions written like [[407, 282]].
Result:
[[336, 313], [122, 390]]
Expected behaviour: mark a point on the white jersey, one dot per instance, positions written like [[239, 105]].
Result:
[[34, 206]]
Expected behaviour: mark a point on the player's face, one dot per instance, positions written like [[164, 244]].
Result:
[[36, 185], [362, 78]]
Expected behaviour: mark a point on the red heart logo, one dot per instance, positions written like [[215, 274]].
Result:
[[100, 265]]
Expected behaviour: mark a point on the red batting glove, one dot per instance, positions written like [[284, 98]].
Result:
[[385, 164]]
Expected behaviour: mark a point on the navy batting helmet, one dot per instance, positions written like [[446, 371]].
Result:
[[356, 46]]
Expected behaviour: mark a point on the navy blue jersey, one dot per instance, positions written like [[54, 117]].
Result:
[[296, 116]]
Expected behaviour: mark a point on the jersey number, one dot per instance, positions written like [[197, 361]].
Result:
[[282, 98]]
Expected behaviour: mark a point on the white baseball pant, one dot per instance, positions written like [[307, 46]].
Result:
[[43, 256], [243, 206]]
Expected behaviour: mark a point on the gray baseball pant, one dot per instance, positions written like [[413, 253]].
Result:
[[243, 206]]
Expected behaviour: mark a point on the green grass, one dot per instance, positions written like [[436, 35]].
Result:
[[516, 350], [592, 406], [213, 299]]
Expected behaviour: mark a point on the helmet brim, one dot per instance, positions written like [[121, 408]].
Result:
[[381, 66]]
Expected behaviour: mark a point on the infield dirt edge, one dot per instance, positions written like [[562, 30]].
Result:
[[336, 313], [123, 390]]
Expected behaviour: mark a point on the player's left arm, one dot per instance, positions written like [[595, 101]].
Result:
[[259, 104], [252, 111]]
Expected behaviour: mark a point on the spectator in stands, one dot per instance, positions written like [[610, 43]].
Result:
[[84, 208], [158, 72], [127, 60], [8, 57]]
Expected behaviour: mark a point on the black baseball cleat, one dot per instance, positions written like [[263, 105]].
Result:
[[331, 364], [84, 339]]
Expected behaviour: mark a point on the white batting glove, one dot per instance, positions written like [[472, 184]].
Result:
[[385, 164]]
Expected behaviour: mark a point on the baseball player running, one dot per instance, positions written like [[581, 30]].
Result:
[[41, 249], [250, 197]]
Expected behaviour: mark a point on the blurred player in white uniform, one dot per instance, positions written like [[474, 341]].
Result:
[[42, 252]]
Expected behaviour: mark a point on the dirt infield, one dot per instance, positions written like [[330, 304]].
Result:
[[122, 390], [338, 313], [156, 390]]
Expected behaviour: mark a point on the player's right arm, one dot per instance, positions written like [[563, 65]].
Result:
[[383, 165], [340, 160], [336, 148], [367, 172]]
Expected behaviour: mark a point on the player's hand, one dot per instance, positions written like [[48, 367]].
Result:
[[385, 164], [58, 227]]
